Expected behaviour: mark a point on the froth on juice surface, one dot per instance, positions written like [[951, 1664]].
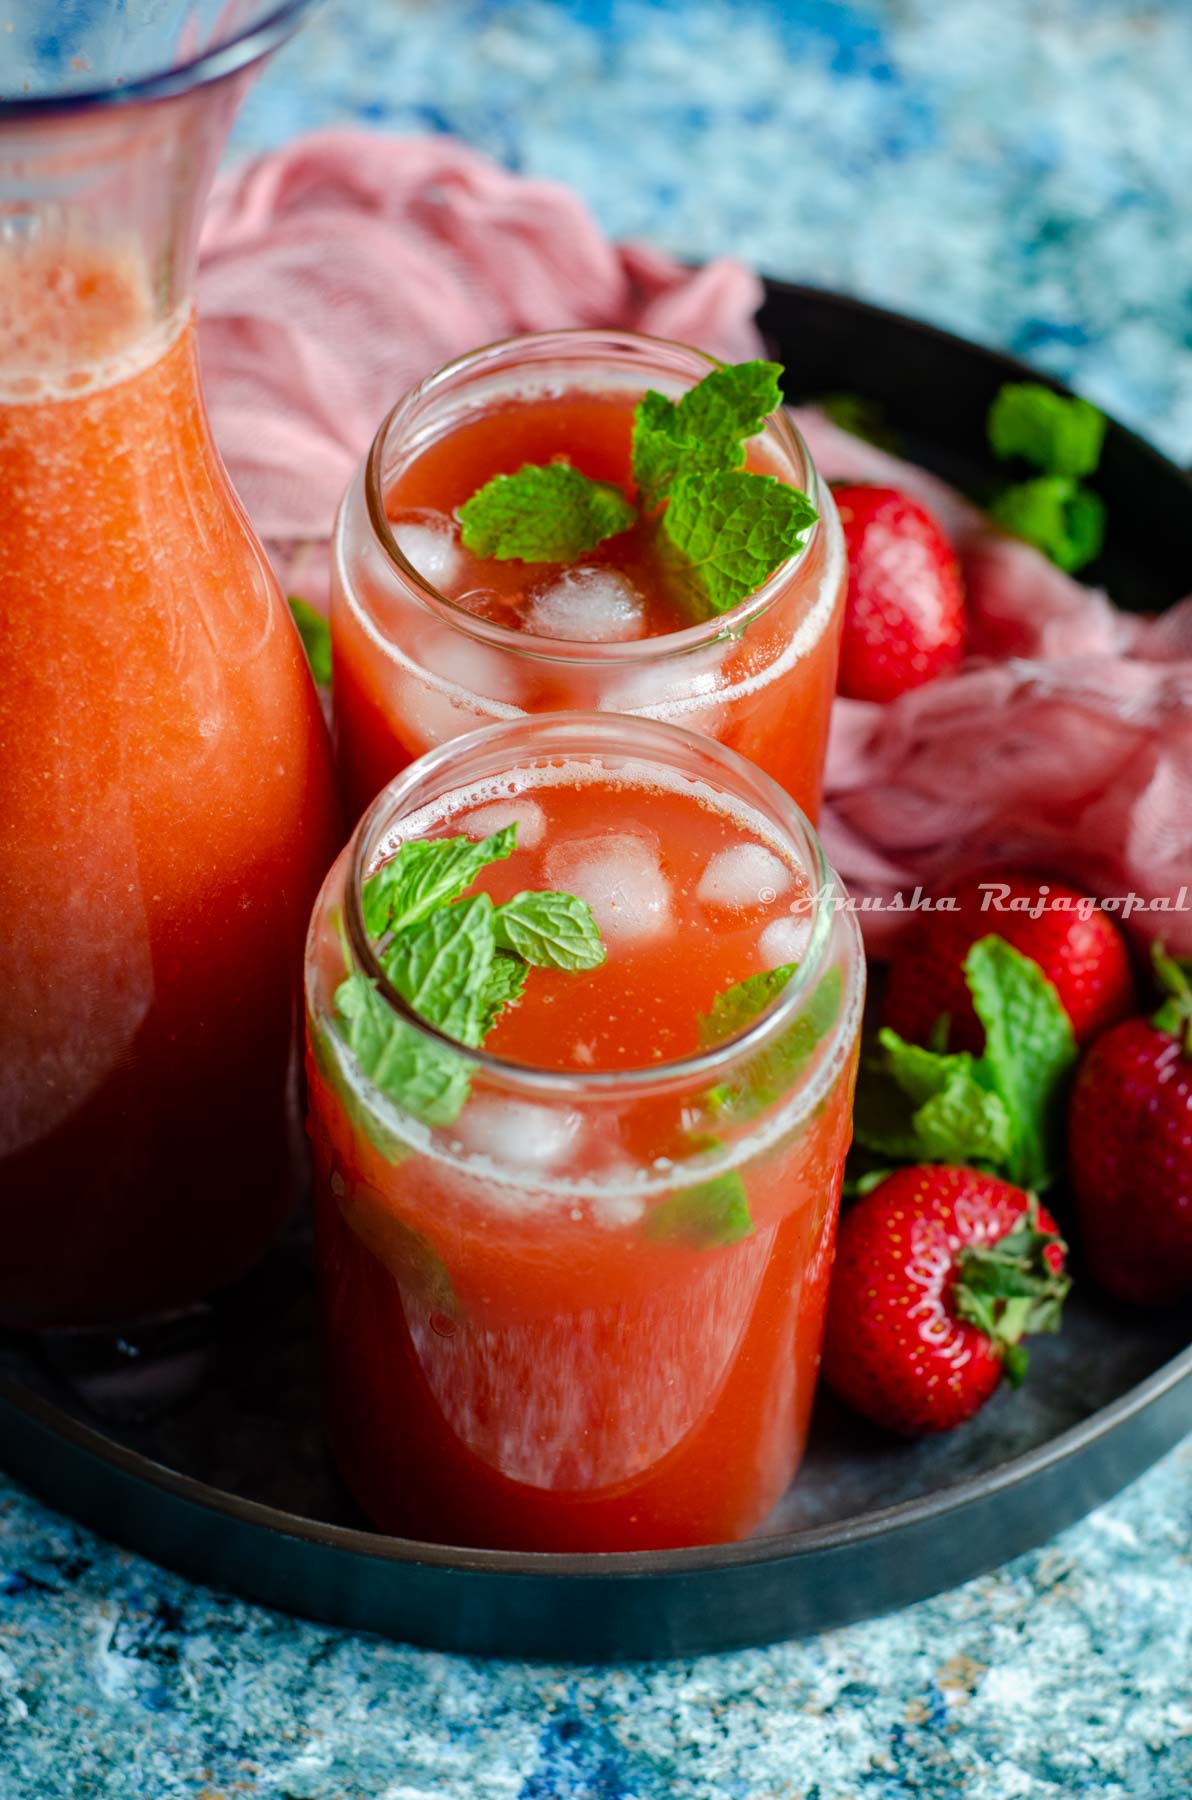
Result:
[[165, 818], [544, 1329]]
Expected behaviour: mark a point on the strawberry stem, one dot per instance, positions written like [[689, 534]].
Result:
[[1174, 975], [1013, 1288]]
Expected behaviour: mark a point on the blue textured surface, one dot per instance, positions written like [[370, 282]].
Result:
[[1021, 172]]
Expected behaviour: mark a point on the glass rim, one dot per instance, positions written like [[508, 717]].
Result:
[[229, 56], [549, 733], [778, 425]]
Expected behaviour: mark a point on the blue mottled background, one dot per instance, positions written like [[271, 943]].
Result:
[[1020, 171]]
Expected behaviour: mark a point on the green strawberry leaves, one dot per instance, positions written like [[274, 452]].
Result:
[[543, 514], [1058, 515], [1001, 1111], [1014, 1288], [315, 633]]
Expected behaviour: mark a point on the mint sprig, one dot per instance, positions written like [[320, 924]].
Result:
[[1060, 434], [552, 931], [550, 513], [1001, 1111], [705, 1216], [705, 430], [732, 530], [456, 962], [1061, 517], [766, 1075], [1063, 437], [724, 529]]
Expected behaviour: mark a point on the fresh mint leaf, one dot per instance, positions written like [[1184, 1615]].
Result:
[[424, 875], [741, 1004], [766, 1075], [423, 1078], [1056, 514], [1059, 435], [552, 931], [315, 633], [712, 1213], [705, 430], [731, 531], [1029, 1053], [503, 985], [918, 1105], [543, 514], [441, 967]]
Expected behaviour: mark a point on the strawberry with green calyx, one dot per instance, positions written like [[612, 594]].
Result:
[[1078, 947], [1130, 1148], [940, 1276]]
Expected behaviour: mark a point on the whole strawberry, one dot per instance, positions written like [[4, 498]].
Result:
[[1084, 958], [904, 617], [939, 1275], [1130, 1149]]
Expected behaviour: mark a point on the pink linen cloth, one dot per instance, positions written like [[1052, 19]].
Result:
[[338, 271]]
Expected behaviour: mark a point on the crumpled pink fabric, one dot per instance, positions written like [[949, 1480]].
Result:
[[336, 272], [1064, 742]]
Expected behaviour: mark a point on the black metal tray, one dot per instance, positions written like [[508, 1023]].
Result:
[[234, 1487]]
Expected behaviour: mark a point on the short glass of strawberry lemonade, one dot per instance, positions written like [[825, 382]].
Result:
[[574, 1257], [431, 641]]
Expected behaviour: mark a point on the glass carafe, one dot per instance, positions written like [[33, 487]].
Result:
[[166, 809]]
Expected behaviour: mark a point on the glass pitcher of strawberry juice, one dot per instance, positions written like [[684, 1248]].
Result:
[[574, 1275], [166, 809], [431, 641]]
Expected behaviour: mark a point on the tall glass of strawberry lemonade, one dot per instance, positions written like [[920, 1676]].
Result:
[[431, 640], [574, 1270], [166, 808]]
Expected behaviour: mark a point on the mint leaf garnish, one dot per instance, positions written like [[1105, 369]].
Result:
[[457, 963], [1029, 1052], [766, 1075], [441, 967], [552, 931], [542, 514], [1056, 514], [741, 1004], [1061, 436], [712, 1213], [1000, 1111], [917, 1105], [503, 985], [315, 633], [705, 430], [422, 1077], [425, 875], [732, 530]]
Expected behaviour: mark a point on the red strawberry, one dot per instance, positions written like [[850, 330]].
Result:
[[1130, 1149], [904, 618], [920, 1328], [1085, 959]]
